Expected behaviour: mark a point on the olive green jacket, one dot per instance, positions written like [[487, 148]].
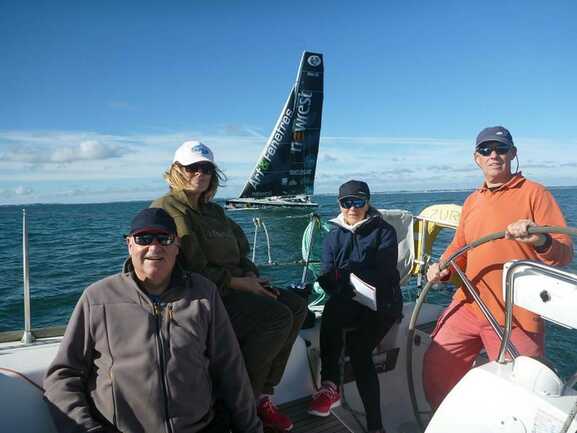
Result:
[[211, 243]]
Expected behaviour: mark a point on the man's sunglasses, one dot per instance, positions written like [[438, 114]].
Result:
[[348, 203], [487, 149], [144, 239], [200, 167]]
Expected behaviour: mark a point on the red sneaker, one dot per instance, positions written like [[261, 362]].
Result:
[[272, 417], [324, 400]]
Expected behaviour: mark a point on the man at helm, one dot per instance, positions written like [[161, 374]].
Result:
[[506, 201]]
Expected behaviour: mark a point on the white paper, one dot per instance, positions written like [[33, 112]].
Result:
[[364, 293]]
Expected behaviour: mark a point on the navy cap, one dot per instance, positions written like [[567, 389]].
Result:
[[356, 189], [494, 133], [153, 219]]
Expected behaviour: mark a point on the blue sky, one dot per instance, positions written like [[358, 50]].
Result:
[[96, 96]]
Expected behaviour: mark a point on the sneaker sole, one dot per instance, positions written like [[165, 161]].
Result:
[[327, 413]]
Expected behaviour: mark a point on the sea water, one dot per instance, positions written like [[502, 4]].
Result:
[[74, 245]]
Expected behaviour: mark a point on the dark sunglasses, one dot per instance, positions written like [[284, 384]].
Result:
[[200, 167], [348, 203], [144, 239], [487, 149]]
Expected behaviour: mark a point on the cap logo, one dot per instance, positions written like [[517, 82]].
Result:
[[499, 133], [200, 149]]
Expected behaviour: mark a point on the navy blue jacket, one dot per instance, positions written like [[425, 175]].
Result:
[[368, 250]]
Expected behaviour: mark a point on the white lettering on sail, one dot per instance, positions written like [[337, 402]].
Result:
[[303, 109], [302, 172], [304, 102], [256, 177], [277, 138]]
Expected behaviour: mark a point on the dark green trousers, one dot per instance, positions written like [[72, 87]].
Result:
[[266, 329]]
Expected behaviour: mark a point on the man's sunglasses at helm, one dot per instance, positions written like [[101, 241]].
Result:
[[486, 149], [144, 239], [200, 167], [348, 203]]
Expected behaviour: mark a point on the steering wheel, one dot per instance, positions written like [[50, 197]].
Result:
[[468, 285]]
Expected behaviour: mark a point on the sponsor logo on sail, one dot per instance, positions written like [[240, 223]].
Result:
[[270, 150], [263, 165], [314, 60], [300, 172], [304, 103]]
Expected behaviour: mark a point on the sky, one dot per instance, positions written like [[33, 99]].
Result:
[[95, 97]]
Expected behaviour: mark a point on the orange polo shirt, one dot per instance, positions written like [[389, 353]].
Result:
[[487, 211]]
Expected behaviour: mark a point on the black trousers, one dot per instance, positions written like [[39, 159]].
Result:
[[369, 329], [266, 329], [221, 423]]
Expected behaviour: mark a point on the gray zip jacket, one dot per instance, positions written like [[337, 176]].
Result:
[[128, 365]]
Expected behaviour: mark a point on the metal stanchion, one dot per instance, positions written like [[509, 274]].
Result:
[[27, 337]]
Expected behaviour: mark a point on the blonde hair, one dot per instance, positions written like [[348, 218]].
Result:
[[177, 180]]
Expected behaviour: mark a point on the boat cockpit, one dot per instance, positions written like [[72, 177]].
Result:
[[511, 394]]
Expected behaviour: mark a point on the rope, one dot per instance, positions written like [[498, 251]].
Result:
[[254, 244], [257, 224], [315, 223], [267, 242], [22, 376]]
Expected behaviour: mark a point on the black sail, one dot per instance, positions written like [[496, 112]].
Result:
[[287, 164]]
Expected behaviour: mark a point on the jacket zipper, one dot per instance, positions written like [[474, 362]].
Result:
[[161, 357]]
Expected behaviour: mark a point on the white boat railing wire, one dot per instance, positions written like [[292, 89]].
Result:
[[258, 223]]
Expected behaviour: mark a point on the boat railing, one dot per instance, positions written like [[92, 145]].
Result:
[[546, 296], [419, 258], [27, 337], [36, 333]]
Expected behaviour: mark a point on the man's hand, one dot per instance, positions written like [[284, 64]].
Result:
[[435, 274], [518, 231], [256, 285]]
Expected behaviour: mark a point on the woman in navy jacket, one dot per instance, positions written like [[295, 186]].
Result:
[[363, 244]]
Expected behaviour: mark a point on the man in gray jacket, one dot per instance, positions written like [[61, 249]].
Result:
[[150, 349]]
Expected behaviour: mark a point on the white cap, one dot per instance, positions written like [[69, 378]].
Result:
[[193, 151]]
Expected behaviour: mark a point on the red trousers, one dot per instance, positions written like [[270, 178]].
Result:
[[457, 341]]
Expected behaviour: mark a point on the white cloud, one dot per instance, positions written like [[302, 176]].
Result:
[[87, 166], [57, 148], [23, 190], [327, 157], [234, 130], [19, 191], [89, 150]]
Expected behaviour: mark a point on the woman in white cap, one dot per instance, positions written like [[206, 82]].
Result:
[[266, 320], [363, 244]]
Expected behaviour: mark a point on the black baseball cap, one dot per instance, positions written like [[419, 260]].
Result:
[[154, 220], [494, 133], [356, 189]]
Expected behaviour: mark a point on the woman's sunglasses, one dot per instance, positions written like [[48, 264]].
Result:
[[145, 239], [200, 167], [348, 203], [487, 149]]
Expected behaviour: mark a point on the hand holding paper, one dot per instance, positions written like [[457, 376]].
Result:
[[364, 293]]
